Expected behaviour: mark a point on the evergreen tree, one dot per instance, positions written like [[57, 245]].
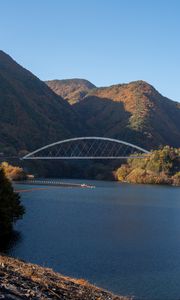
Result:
[[10, 206]]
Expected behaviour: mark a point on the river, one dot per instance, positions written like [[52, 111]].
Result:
[[125, 238]]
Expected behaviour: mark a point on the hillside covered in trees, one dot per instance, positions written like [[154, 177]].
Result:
[[135, 112], [31, 113], [72, 90], [159, 167]]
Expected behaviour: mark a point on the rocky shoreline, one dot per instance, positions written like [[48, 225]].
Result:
[[20, 281]]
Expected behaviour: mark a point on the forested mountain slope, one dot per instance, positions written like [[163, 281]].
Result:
[[134, 112], [32, 115]]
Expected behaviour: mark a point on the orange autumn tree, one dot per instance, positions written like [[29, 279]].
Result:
[[13, 172]]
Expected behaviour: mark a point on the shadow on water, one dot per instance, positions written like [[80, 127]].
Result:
[[12, 240]]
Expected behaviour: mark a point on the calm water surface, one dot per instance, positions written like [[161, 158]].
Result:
[[125, 238]]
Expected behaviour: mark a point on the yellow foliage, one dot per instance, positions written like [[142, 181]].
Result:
[[12, 172], [159, 167]]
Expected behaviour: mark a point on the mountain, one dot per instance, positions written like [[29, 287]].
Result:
[[73, 90], [135, 112], [32, 115]]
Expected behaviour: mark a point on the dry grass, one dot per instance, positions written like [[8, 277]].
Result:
[[48, 284]]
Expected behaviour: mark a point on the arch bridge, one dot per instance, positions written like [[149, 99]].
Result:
[[87, 148]]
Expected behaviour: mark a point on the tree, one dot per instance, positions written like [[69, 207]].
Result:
[[10, 206], [12, 172], [159, 167]]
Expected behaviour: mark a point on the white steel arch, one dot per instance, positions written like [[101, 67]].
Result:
[[32, 155]]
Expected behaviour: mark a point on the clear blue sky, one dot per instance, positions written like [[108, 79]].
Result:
[[104, 41]]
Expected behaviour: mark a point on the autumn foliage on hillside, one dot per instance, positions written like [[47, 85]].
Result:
[[31, 114], [159, 167], [73, 90], [134, 112]]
